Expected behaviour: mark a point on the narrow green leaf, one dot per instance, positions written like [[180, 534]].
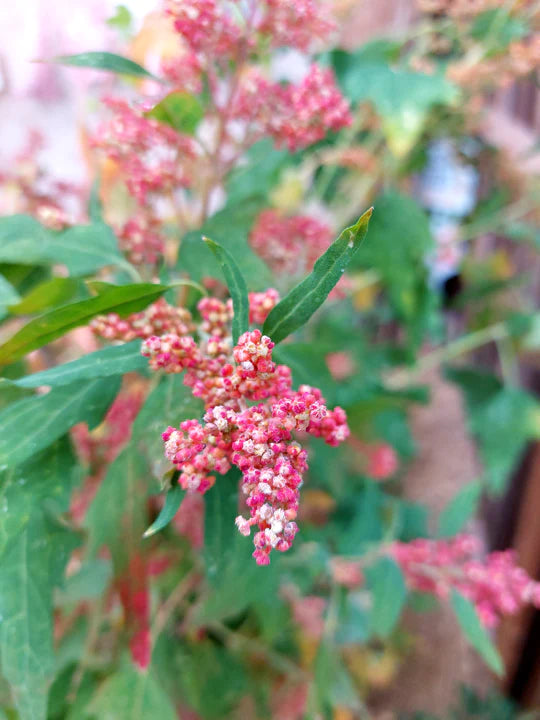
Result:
[[31, 424], [460, 510], [105, 61], [172, 502], [389, 593], [40, 331], [475, 632], [114, 360], [299, 305], [181, 110], [47, 294], [34, 550], [237, 288]]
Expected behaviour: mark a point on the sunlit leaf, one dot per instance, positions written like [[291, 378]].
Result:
[[123, 300]]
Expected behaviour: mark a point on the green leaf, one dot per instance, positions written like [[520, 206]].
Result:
[[173, 499], [389, 594], [83, 249], [230, 227], [459, 510], [475, 632], [181, 110], [501, 419], [237, 288], [308, 367], [124, 299], [114, 360], [299, 305], [117, 516], [29, 425], [90, 581], [221, 509], [34, 549], [333, 684], [111, 519], [8, 295], [121, 19], [129, 695], [105, 61], [257, 174], [47, 294]]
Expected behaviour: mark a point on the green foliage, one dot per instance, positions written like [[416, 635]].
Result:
[[83, 249], [237, 288], [475, 632], [111, 361], [130, 695], [182, 111], [122, 300], [48, 294], [34, 548], [230, 228], [460, 510], [173, 498], [501, 419], [302, 301], [31, 424], [389, 594], [105, 61], [399, 239]]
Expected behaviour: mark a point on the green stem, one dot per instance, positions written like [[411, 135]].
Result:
[[461, 346]]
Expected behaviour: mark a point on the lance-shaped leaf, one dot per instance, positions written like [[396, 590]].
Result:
[[31, 424], [173, 498], [387, 584], [34, 549], [181, 110], [237, 288], [123, 300], [45, 295], [475, 632], [105, 61], [114, 360], [299, 305]]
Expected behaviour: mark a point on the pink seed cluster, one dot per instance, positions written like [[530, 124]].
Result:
[[158, 318], [294, 115], [141, 239], [259, 439], [220, 30], [151, 155], [289, 245], [309, 110], [496, 585]]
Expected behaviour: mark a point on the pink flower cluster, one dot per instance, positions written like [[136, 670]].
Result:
[[289, 245], [257, 439], [220, 30], [160, 317], [496, 585], [294, 115], [151, 155], [309, 110], [141, 239], [296, 23]]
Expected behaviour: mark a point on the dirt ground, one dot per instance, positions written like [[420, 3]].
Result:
[[441, 660]]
